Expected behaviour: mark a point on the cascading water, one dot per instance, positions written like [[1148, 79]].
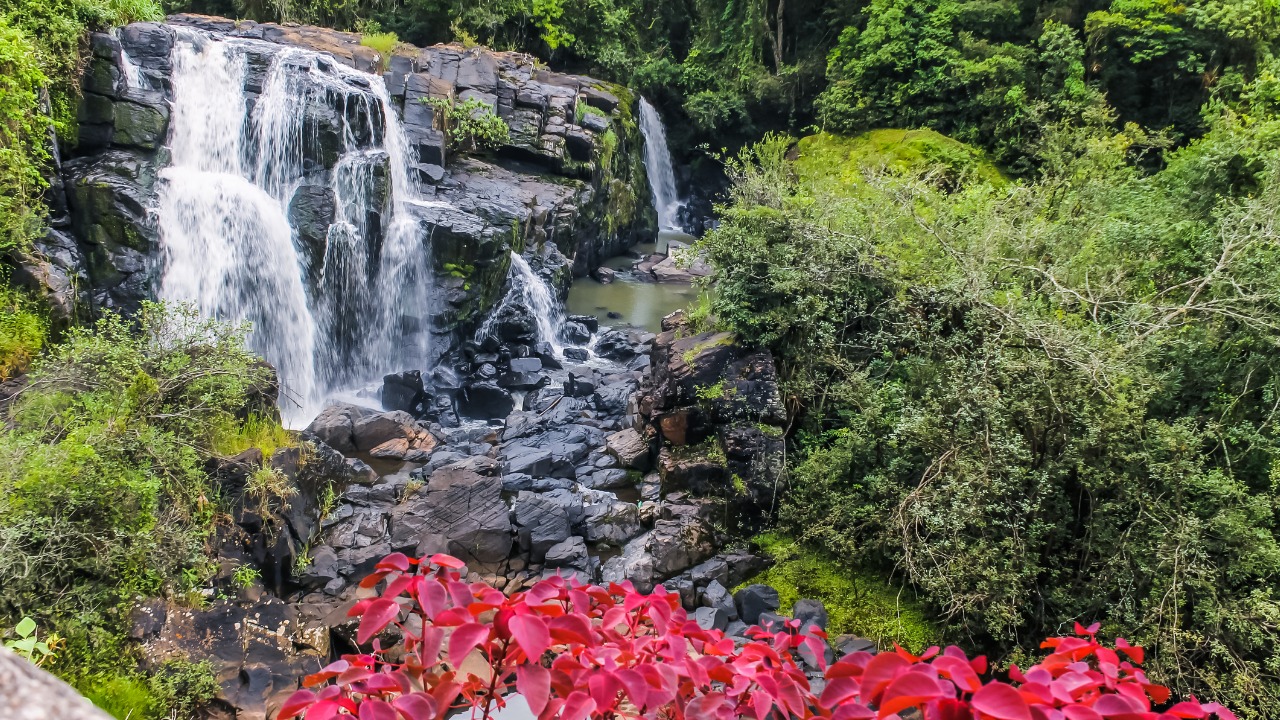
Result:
[[530, 291], [130, 74], [328, 317], [657, 164]]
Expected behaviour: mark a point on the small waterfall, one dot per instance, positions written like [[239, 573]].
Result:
[[657, 164], [530, 291], [330, 312], [129, 70]]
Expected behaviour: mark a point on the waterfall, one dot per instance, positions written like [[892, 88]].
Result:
[[330, 312], [657, 165], [530, 291], [129, 69]]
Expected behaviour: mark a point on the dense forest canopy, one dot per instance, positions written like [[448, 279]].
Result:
[[984, 71]]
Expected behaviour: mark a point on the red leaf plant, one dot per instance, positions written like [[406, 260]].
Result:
[[576, 651]]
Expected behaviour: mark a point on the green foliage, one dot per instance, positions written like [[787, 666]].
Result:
[[230, 436], [712, 392], [124, 697], [102, 493], [383, 42], [857, 602], [462, 271], [23, 331], [40, 52], [22, 139], [27, 643], [245, 576], [471, 125], [1040, 401]]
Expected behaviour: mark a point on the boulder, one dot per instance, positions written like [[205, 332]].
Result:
[[485, 401], [335, 426], [715, 595], [33, 694], [754, 600], [711, 618], [612, 522], [630, 448], [459, 512], [615, 345], [541, 523], [370, 431], [810, 612], [404, 391], [258, 650], [570, 553]]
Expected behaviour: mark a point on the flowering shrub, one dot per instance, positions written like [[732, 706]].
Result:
[[577, 651]]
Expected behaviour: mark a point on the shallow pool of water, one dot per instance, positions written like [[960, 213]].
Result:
[[641, 304]]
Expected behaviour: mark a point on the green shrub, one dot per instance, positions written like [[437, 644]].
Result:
[[23, 331], [102, 491], [383, 42], [471, 125], [22, 138]]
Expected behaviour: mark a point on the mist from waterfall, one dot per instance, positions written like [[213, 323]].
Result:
[[657, 165], [530, 291], [328, 318]]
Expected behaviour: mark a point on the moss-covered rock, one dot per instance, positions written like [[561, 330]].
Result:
[[858, 602]]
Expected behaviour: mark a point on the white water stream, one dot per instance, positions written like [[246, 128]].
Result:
[[223, 215], [657, 164], [530, 291]]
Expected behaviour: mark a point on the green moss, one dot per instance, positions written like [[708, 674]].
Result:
[[124, 697], [770, 430], [827, 157], [582, 109], [178, 689], [690, 355], [462, 271], [858, 602], [711, 392]]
